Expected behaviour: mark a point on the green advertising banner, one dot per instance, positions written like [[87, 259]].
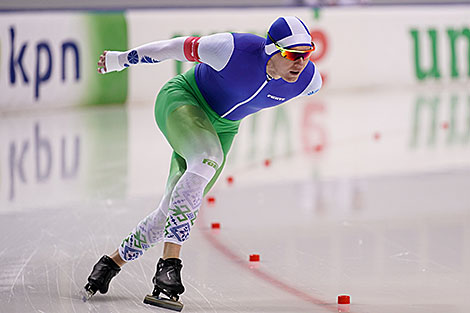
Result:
[[106, 32]]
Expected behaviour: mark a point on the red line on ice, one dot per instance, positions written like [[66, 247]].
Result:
[[260, 274]]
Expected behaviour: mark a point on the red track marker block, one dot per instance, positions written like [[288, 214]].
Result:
[[230, 180], [344, 299], [211, 200], [254, 257], [377, 136], [445, 125], [267, 162], [318, 148], [344, 303], [215, 225]]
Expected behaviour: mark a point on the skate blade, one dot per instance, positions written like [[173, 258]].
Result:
[[163, 303], [85, 295]]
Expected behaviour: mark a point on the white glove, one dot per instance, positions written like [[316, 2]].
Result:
[[112, 62]]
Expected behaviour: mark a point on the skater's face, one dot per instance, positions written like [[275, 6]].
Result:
[[281, 67]]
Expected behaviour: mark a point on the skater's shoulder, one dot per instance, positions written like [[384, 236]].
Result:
[[248, 42]]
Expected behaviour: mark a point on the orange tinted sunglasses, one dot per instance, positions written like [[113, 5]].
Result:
[[292, 54]]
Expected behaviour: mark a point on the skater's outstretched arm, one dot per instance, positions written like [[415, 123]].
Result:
[[214, 50]]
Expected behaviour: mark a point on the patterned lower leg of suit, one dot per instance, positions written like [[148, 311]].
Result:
[[183, 208], [146, 234]]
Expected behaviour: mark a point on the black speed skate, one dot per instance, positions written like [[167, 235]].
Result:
[[167, 280], [100, 276]]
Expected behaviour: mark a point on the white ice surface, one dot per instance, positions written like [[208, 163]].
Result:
[[385, 220]]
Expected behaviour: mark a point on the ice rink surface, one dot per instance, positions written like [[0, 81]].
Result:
[[365, 194]]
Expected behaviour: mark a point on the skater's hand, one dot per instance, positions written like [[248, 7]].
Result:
[[102, 63], [109, 62]]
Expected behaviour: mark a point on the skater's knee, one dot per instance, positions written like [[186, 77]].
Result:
[[207, 163]]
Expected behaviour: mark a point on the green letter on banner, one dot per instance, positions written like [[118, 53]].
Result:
[[453, 35], [434, 70]]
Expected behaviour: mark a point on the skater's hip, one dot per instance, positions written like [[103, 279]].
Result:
[[183, 90]]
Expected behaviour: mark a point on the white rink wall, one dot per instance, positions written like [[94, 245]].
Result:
[[48, 58], [358, 47]]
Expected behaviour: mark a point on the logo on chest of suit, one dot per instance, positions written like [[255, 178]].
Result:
[[275, 98], [312, 92]]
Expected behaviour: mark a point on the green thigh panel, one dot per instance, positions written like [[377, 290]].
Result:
[[183, 90], [173, 95]]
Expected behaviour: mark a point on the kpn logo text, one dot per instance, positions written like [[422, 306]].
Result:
[[45, 65]]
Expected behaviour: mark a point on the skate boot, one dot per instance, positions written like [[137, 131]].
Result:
[[167, 280], [100, 276]]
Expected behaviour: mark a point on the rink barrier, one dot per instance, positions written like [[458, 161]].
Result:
[[358, 48], [48, 59]]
